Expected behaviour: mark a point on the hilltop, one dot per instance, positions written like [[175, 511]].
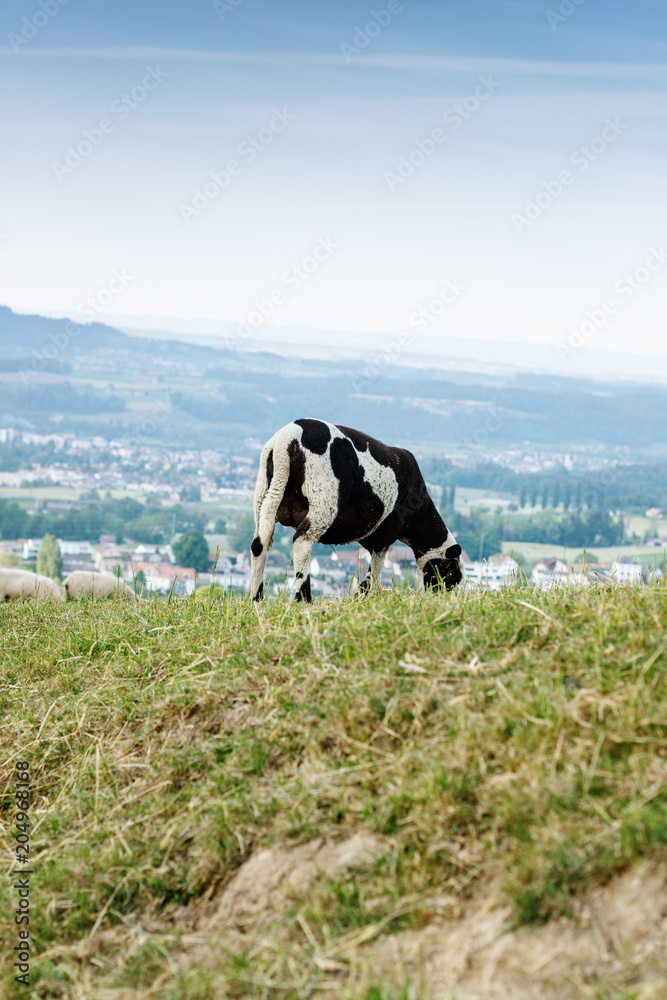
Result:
[[286, 801]]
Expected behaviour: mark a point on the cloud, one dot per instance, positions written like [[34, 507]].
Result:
[[396, 61]]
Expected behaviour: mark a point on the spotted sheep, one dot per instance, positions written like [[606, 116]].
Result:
[[336, 485]]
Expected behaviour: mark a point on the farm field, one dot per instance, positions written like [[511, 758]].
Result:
[[402, 796], [468, 497], [533, 551]]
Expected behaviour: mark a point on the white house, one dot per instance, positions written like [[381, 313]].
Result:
[[76, 549], [627, 572], [492, 574], [548, 573], [164, 578], [76, 555], [158, 554], [31, 547]]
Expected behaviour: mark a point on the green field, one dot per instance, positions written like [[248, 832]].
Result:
[[533, 551], [278, 801]]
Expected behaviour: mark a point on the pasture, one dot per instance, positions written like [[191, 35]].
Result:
[[370, 799]]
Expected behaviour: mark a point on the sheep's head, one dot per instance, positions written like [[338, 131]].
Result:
[[446, 571]]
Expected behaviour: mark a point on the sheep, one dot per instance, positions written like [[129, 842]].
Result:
[[83, 583], [17, 584], [336, 485]]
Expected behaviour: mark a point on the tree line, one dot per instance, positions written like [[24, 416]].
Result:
[[482, 535], [632, 488], [124, 518]]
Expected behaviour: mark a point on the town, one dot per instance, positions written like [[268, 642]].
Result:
[[54, 477]]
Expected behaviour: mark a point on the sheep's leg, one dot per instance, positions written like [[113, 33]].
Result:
[[372, 578], [259, 551], [301, 550]]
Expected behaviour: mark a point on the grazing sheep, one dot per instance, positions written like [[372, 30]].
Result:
[[83, 583], [17, 584], [336, 485]]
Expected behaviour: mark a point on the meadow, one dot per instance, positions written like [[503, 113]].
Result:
[[286, 801]]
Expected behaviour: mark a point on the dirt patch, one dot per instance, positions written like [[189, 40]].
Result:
[[618, 938], [265, 883], [614, 946]]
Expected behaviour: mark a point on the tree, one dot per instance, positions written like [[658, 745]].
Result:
[[587, 557], [191, 550], [49, 559], [522, 497], [191, 493], [477, 534], [220, 527]]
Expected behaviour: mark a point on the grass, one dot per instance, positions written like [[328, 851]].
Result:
[[517, 733]]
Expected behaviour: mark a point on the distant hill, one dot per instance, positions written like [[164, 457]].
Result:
[[214, 395], [20, 335], [426, 351]]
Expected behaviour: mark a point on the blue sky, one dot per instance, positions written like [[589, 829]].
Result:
[[331, 127]]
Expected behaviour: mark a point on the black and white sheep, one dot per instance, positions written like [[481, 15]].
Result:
[[336, 485], [83, 583], [19, 584]]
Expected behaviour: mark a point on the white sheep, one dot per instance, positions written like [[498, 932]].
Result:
[[16, 584], [83, 583]]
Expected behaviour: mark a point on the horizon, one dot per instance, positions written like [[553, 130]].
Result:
[[455, 354]]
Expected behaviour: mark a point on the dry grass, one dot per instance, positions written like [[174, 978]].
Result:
[[519, 737]]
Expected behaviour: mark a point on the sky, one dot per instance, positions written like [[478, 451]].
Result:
[[488, 169]]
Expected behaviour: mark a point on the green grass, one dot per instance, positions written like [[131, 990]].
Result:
[[169, 742]]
